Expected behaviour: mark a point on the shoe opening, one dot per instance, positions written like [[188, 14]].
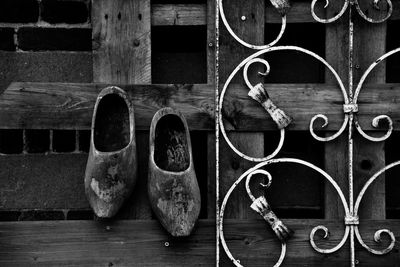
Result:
[[171, 151], [111, 128]]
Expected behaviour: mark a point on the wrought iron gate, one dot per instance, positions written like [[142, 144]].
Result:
[[349, 126]]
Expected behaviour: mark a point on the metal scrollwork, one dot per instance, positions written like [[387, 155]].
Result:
[[260, 94], [345, 6]]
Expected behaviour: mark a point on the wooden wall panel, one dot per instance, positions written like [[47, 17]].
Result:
[[122, 54], [232, 166], [144, 243]]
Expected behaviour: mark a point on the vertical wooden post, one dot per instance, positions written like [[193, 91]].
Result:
[[336, 158], [247, 19], [122, 55], [211, 185], [369, 157]]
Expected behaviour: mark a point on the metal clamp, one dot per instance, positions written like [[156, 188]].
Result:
[[350, 108], [351, 220]]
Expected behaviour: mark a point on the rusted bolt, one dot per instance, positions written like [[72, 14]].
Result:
[[243, 18], [166, 244], [136, 42]]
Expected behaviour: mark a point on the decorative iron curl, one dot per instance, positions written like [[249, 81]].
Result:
[[348, 3], [326, 235], [377, 119], [254, 59], [241, 41], [378, 234], [330, 20], [257, 170], [375, 3]]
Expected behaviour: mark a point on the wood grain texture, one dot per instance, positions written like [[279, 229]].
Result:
[[336, 156], [70, 106], [142, 243], [180, 14], [195, 14], [232, 166], [121, 41], [122, 54], [369, 157], [211, 141]]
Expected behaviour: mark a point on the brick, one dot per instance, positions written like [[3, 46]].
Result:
[[7, 39], [19, 11], [64, 11], [11, 141], [45, 67], [39, 39], [37, 141], [63, 140], [43, 182]]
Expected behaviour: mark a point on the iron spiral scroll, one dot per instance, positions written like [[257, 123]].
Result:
[[350, 122]]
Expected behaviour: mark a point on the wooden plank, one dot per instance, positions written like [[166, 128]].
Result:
[[121, 41], [181, 14], [336, 156], [369, 157], [143, 243], [122, 54], [195, 14], [211, 141], [70, 106], [252, 30]]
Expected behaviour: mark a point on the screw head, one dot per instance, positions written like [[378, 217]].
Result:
[[210, 44], [243, 18], [166, 244]]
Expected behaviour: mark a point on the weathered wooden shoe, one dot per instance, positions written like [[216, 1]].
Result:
[[111, 169], [173, 190]]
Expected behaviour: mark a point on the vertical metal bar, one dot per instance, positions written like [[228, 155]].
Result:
[[217, 107], [351, 187]]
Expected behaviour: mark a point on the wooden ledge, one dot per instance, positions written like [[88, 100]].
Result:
[[143, 243]]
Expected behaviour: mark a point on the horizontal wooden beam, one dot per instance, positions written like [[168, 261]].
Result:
[[70, 106], [145, 243], [169, 14], [196, 14]]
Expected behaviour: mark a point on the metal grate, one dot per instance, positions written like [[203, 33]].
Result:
[[350, 126]]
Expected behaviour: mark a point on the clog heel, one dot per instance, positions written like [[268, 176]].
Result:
[[111, 169], [173, 190]]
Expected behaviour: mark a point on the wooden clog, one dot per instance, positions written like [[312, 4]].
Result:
[[173, 190], [111, 169]]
